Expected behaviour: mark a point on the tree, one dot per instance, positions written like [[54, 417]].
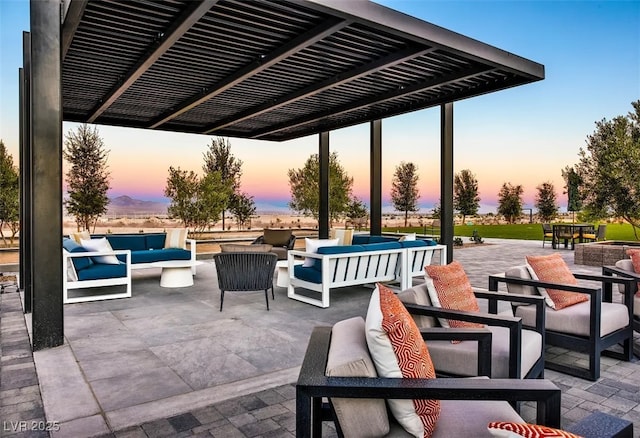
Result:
[[197, 202], [465, 194], [608, 168], [510, 202], [218, 158], [243, 207], [404, 189], [546, 202], [572, 182], [9, 195], [304, 185], [88, 176], [357, 213]]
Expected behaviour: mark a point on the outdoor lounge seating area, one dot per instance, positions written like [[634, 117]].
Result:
[[157, 355]]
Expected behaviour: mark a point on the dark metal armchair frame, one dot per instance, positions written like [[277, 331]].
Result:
[[614, 270], [245, 271], [512, 323], [593, 345], [313, 386], [547, 233]]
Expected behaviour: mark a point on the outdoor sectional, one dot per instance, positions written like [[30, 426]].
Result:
[[85, 269], [387, 260]]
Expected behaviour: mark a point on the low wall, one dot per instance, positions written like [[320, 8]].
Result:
[[602, 253]]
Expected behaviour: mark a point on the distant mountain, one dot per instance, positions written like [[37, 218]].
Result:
[[128, 205]]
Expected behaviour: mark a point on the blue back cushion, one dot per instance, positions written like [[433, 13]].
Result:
[[381, 239], [415, 243], [155, 241], [360, 239], [79, 263], [341, 249], [134, 242], [382, 246]]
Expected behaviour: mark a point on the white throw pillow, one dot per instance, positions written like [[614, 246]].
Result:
[[100, 245], [408, 237], [312, 245], [435, 301]]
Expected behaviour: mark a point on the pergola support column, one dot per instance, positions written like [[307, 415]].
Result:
[[375, 175], [46, 174], [323, 213], [446, 178], [25, 273]]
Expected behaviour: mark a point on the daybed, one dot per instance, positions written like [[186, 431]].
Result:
[[348, 265]]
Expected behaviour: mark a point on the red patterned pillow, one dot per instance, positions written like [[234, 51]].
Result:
[[525, 430], [553, 269], [448, 287], [398, 350], [634, 254]]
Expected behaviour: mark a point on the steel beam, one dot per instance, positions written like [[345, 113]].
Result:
[[46, 176], [323, 212], [26, 274], [375, 176], [446, 178]]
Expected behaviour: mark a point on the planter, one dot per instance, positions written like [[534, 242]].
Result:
[[602, 253]]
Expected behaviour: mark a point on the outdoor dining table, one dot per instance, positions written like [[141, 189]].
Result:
[[575, 228]]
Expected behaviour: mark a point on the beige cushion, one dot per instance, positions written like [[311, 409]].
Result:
[[237, 247], [575, 319], [176, 238], [462, 358], [277, 237], [81, 235], [418, 295], [349, 357], [520, 272]]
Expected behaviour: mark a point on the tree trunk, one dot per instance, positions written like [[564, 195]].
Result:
[[406, 216]]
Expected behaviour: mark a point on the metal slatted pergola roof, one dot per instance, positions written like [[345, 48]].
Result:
[[272, 70]]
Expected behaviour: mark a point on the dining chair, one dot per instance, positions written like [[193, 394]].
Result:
[[547, 233]]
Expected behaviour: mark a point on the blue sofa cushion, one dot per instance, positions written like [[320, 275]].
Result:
[[417, 243], [155, 241], [382, 239], [341, 249], [363, 239], [309, 274], [134, 242], [360, 239], [100, 271], [382, 246], [79, 263], [159, 255]]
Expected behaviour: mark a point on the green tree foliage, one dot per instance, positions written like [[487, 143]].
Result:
[[608, 168], [218, 158], [304, 185], [510, 201], [546, 202], [9, 195], [88, 176], [357, 214], [465, 194], [404, 189], [196, 201], [243, 207], [572, 182]]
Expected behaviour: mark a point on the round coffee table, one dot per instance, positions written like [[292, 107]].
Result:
[[176, 273]]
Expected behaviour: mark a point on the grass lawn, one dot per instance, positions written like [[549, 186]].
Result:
[[514, 231]]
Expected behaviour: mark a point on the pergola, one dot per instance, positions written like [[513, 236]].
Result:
[[272, 70]]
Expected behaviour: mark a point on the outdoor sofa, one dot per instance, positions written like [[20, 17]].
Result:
[[87, 269], [349, 265]]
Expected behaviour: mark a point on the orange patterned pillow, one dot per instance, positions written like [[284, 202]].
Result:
[[553, 269], [398, 350], [525, 430], [448, 287], [634, 254]]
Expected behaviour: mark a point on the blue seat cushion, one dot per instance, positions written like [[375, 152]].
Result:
[[159, 255], [382, 246], [101, 271], [309, 274], [79, 263]]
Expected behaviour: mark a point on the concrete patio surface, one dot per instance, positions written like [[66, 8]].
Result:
[[167, 362]]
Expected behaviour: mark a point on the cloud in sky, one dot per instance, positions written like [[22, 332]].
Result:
[[524, 135]]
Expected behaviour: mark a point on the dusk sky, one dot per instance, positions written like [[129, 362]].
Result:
[[523, 135]]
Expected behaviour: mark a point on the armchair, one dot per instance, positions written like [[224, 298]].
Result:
[[624, 268], [516, 352], [547, 233], [281, 241], [337, 365], [591, 326], [245, 271]]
